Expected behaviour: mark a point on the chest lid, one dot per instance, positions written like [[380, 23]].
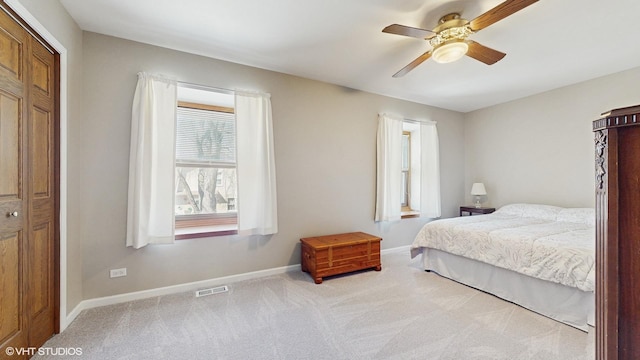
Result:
[[320, 242]]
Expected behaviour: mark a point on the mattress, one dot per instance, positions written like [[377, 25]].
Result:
[[541, 241]]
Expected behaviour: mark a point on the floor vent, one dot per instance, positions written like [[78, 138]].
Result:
[[211, 291]]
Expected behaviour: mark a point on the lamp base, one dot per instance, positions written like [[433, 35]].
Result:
[[477, 204]]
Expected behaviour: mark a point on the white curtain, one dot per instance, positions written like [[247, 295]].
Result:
[[257, 204], [389, 168], [429, 170], [150, 212]]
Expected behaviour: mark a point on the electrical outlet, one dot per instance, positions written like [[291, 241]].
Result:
[[114, 273]]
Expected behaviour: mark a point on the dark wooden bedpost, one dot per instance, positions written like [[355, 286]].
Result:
[[617, 180]]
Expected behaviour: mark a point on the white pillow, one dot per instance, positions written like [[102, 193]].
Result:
[[511, 210], [578, 215], [545, 212]]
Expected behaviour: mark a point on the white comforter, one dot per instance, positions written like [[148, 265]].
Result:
[[541, 247]]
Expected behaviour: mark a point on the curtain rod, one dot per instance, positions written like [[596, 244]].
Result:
[[205, 87], [420, 121]]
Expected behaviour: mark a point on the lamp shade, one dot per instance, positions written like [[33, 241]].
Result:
[[478, 189], [450, 51]]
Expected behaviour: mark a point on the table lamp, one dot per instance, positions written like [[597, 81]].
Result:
[[478, 190]]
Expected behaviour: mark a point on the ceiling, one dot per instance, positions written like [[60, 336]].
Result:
[[549, 44]]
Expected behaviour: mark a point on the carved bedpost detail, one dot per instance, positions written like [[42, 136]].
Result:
[[601, 144]]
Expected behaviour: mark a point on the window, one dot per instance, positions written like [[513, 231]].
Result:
[[410, 170], [406, 154], [206, 177], [423, 177], [211, 198]]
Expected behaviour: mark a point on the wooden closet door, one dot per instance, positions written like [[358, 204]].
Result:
[[42, 226], [13, 174], [29, 287]]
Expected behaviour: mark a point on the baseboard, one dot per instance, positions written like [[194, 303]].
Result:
[[192, 286], [73, 315], [394, 250]]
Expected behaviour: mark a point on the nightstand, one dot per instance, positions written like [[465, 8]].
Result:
[[472, 210]]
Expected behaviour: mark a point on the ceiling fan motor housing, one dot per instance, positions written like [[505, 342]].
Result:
[[453, 29]]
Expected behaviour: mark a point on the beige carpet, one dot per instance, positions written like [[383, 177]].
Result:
[[401, 312]]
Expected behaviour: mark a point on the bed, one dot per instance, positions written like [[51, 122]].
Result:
[[540, 257]]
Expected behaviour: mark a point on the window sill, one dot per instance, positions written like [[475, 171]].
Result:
[[409, 214], [206, 231]]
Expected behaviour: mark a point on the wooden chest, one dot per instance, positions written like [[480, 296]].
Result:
[[338, 254]]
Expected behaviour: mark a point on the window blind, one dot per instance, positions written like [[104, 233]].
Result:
[[205, 137]]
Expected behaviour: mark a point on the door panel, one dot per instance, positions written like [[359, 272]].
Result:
[[11, 38], [29, 134], [41, 236], [39, 258], [41, 300], [10, 166], [10, 301], [41, 74], [41, 138], [14, 331]]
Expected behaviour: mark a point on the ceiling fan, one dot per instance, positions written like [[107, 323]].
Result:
[[449, 39]]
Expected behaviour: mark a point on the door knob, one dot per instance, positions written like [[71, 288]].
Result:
[[14, 214]]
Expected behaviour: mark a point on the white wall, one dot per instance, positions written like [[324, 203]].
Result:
[[540, 149], [325, 138]]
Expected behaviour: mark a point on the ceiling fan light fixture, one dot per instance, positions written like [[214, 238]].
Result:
[[450, 51]]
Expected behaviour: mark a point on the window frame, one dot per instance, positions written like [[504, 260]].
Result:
[[205, 225]]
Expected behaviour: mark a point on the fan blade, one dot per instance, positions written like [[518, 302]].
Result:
[[498, 13], [408, 31], [483, 53], [413, 64]]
